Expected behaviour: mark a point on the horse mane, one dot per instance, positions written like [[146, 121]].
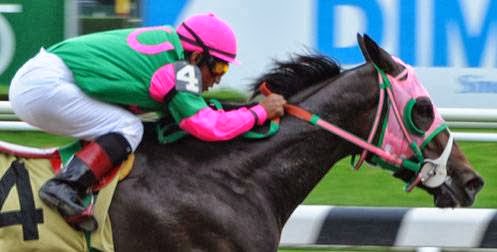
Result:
[[299, 72]]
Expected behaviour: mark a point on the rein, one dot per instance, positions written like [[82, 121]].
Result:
[[431, 173], [314, 119]]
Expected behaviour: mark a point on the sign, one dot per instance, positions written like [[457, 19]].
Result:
[[26, 26], [7, 36], [436, 33], [452, 42]]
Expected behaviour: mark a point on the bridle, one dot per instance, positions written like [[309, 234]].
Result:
[[430, 172]]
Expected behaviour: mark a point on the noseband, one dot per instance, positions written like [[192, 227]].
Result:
[[397, 147]]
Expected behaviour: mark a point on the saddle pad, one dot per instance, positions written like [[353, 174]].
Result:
[[27, 224]]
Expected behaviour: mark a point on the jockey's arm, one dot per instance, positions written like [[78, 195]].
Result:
[[194, 116]]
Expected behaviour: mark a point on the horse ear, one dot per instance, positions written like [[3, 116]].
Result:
[[362, 46], [379, 56]]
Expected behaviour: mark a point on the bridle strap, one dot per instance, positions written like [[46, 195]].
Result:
[[377, 118], [375, 127], [394, 102], [290, 109], [386, 84], [313, 119]]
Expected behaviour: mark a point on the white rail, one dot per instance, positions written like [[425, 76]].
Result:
[[17, 126], [5, 108], [468, 114], [456, 115], [311, 226], [456, 118]]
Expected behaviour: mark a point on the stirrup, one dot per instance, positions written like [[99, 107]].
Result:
[[84, 221]]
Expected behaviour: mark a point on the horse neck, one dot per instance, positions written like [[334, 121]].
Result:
[[305, 152], [273, 176]]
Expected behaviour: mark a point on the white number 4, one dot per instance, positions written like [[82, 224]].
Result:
[[187, 74]]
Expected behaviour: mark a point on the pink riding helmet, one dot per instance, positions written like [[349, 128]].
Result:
[[208, 32]]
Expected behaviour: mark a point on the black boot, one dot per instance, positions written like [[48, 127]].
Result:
[[67, 190]]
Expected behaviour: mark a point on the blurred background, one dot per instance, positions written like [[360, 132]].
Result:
[[453, 44]]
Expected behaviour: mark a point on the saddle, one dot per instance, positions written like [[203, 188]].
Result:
[[26, 223]]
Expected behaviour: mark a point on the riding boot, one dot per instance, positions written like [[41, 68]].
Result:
[[67, 190]]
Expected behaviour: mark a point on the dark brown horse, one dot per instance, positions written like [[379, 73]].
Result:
[[236, 196]]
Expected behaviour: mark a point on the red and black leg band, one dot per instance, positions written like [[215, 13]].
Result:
[[105, 153]]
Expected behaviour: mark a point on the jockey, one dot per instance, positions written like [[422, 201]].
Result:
[[91, 87]]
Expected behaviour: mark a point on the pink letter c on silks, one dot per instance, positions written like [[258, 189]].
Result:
[[149, 49]]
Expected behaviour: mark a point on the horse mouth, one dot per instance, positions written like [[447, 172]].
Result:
[[451, 195]]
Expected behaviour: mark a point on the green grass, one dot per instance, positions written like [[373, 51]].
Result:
[[376, 187], [4, 91], [34, 139], [225, 94]]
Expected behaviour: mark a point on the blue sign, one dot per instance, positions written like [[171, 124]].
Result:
[[422, 33], [155, 12], [447, 20]]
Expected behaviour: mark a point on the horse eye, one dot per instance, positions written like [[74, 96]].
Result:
[[422, 113]]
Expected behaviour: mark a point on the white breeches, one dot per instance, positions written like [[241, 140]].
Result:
[[44, 95]]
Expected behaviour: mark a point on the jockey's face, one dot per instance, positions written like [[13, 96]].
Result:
[[209, 77]]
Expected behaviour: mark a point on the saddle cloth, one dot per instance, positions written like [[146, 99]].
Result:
[[26, 223]]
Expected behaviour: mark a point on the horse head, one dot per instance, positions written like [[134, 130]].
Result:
[[453, 180], [385, 99]]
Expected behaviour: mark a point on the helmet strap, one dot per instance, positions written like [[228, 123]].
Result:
[[198, 41]]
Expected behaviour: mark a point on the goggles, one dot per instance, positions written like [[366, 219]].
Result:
[[218, 67]]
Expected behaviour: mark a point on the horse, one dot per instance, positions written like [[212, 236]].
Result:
[[237, 195]]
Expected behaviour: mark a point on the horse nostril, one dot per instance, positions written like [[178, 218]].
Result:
[[475, 184]]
